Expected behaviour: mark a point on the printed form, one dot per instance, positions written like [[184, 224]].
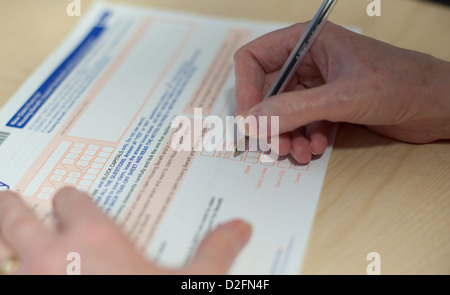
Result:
[[97, 116]]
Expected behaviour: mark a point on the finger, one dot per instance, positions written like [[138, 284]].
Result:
[[19, 226], [317, 133], [272, 49], [300, 150], [257, 60], [330, 102], [282, 145], [219, 248], [72, 206], [250, 78]]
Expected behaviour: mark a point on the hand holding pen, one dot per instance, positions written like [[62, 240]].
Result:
[[345, 77], [294, 60]]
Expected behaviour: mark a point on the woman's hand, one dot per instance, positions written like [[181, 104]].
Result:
[[102, 247], [345, 77]]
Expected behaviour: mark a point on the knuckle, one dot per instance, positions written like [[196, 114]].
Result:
[[240, 53]]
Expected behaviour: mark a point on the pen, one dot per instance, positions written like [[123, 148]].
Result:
[[294, 60]]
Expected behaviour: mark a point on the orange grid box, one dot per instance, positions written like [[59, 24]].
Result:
[[252, 157], [286, 163], [301, 167], [207, 153], [236, 159], [79, 167], [266, 160]]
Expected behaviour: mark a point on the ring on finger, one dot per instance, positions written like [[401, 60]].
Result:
[[9, 265]]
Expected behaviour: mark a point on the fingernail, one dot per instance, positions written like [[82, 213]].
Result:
[[314, 153], [240, 230]]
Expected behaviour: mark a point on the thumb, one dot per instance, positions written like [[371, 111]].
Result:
[[72, 206], [219, 248], [301, 107]]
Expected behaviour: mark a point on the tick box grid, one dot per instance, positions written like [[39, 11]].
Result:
[[79, 167]]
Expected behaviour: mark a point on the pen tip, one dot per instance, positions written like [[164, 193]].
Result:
[[241, 147]]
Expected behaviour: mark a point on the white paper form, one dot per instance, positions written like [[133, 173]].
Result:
[[97, 116]]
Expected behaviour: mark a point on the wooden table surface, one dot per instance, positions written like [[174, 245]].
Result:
[[379, 195]]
